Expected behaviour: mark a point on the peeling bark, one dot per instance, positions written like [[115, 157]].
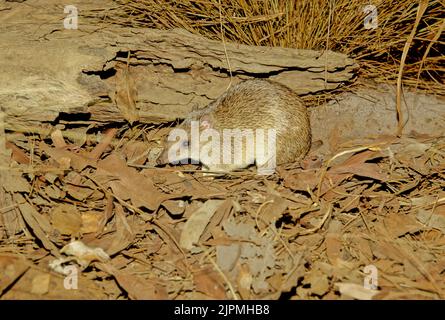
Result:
[[47, 71]]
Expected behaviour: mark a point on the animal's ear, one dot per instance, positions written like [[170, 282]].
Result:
[[205, 122]]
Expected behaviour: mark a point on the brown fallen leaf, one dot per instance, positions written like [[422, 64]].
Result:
[[82, 253], [136, 151], [196, 224], [100, 148], [298, 179], [174, 207], [138, 288], [67, 159], [57, 139], [400, 224], [433, 220], [11, 268], [333, 248], [274, 208], [220, 215], [127, 183], [37, 222], [17, 154], [209, 282], [14, 182], [356, 291], [318, 281], [121, 238], [40, 283], [37, 284], [91, 222], [245, 280], [357, 165], [79, 192], [66, 219]]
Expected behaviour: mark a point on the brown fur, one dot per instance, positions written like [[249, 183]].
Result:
[[262, 104]]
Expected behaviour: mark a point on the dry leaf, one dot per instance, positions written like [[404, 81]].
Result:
[[274, 208], [137, 287], [333, 248], [174, 207], [14, 182], [227, 256], [105, 142], [435, 220], [318, 281], [91, 222], [399, 225], [209, 282], [356, 291], [123, 236], [84, 254], [40, 283], [17, 154], [66, 219], [196, 224], [357, 165], [57, 138], [11, 268], [127, 183], [37, 223], [244, 280], [67, 159]]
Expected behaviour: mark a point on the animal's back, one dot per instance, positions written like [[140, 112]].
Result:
[[264, 104]]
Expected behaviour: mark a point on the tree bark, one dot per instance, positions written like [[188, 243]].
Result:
[[110, 73]]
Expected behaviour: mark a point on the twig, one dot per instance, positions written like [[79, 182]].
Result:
[[224, 44], [427, 51], [423, 4], [226, 280]]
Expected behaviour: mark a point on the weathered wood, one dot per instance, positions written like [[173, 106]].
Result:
[[46, 70]]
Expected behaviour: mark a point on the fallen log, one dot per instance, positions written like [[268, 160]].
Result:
[[112, 73]]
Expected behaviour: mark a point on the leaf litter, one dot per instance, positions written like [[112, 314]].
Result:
[[305, 232]]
